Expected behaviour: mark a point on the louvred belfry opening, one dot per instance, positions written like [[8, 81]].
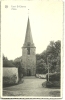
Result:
[[28, 53]]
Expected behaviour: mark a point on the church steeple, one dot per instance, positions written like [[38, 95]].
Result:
[[28, 38], [28, 53]]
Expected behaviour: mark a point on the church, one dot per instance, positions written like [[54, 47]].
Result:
[[28, 53]]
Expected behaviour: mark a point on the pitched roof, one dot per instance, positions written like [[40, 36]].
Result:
[[28, 38]]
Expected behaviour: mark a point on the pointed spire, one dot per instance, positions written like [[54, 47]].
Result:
[[28, 37]]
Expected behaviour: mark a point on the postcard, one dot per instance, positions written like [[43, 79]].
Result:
[[31, 48]]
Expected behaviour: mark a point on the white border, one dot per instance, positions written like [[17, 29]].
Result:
[[29, 97]]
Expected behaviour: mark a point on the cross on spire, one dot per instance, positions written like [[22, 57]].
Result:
[[28, 12]]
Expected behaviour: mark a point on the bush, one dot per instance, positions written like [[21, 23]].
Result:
[[53, 84], [49, 84], [53, 76], [9, 80]]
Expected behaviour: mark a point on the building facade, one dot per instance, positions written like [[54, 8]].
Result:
[[28, 53]]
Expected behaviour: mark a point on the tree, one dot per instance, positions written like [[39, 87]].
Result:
[[7, 63], [41, 66], [38, 56], [53, 52]]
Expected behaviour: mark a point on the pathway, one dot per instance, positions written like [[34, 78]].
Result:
[[31, 86]]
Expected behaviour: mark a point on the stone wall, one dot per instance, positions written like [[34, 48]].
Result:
[[10, 75], [29, 61]]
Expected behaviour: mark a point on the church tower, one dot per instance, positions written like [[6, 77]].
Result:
[[28, 53]]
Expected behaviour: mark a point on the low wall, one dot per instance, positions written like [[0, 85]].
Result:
[[10, 75], [41, 75]]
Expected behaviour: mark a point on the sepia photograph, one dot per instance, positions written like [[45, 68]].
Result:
[[31, 48]]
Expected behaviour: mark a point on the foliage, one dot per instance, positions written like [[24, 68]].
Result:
[[54, 80], [53, 76], [11, 63], [50, 57], [38, 56], [19, 66], [7, 63], [41, 66], [53, 84], [10, 79]]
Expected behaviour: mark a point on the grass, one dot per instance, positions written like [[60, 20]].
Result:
[[55, 93], [8, 85], [53, 87]]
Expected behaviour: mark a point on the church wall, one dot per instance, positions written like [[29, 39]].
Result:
[[29, 61], [28, 53]]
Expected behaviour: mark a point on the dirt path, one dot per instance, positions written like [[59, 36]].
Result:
[[31, 87]]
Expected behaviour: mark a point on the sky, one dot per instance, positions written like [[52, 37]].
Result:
[[46, 21]]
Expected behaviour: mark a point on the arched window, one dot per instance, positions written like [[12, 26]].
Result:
[[28, 50]]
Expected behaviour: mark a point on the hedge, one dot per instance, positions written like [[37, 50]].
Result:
[[53, 76]]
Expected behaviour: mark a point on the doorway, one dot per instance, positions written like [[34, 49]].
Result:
[[28, 72]]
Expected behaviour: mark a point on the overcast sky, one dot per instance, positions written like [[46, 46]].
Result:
[[46, 20]]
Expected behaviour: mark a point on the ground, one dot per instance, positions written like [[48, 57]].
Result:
[[31, 86]]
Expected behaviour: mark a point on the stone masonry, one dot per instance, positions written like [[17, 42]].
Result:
[[28, 53]]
